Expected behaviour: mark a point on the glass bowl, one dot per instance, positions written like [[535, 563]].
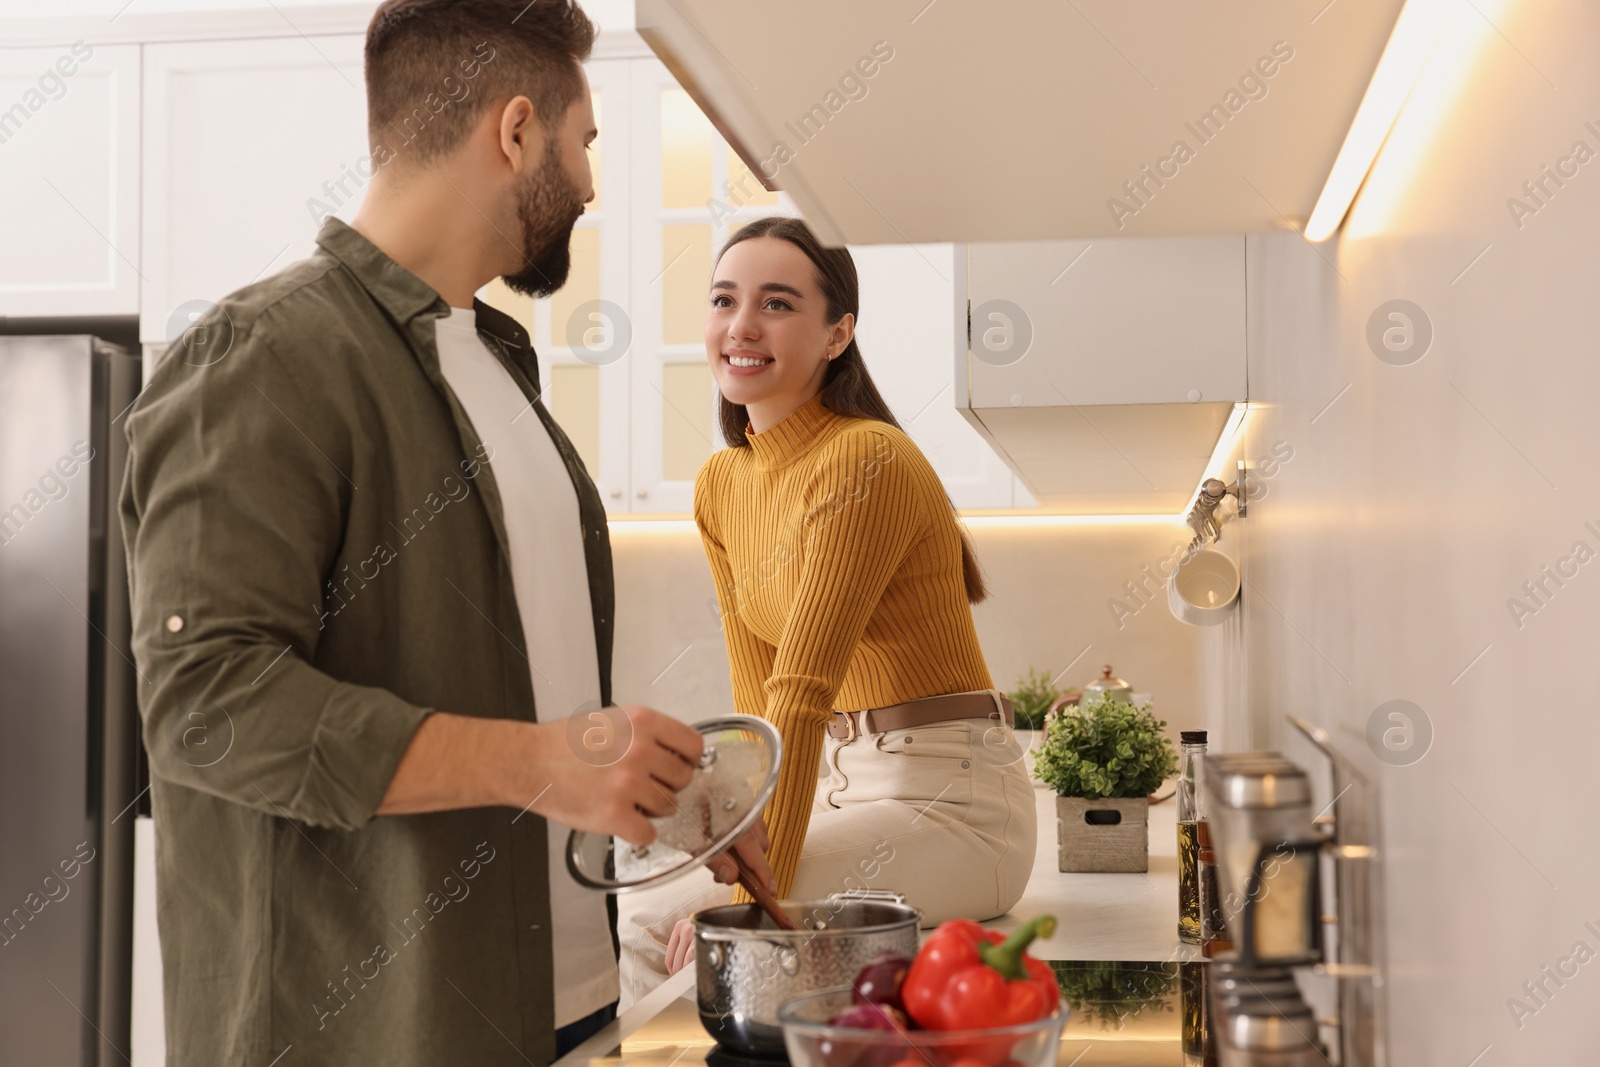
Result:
[[811, 1042]]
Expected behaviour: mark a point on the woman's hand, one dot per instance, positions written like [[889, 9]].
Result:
[[680, 946], [752, 849]]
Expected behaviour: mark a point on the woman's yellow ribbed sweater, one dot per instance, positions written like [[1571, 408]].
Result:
[[837, 563]]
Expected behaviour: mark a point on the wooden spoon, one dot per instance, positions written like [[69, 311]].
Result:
[[753, 885], [751, 882]]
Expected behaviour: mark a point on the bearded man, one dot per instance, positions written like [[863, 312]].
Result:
[[372, 587]]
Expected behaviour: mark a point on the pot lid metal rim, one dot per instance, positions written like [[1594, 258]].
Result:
[[711, 932], [729, 722]]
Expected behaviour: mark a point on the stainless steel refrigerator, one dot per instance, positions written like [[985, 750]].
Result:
[[70, 775]]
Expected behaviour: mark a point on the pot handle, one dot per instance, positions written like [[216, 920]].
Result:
[[883, 896], [888, 896]]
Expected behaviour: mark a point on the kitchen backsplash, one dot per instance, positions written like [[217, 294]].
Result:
[[1059, 593]]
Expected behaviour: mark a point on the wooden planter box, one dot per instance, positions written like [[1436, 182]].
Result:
[[1110, 836]]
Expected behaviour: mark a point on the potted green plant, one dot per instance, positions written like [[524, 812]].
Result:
[[1032, 698], [1031, 701], [1104, 758]]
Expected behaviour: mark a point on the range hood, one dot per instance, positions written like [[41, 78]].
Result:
[[918, 121]]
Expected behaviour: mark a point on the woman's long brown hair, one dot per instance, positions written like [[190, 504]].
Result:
[[847, 388]]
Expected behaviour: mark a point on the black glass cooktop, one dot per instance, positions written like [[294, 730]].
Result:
[[1122, 1014]]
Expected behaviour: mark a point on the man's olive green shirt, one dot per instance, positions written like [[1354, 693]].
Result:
[[318, 559]]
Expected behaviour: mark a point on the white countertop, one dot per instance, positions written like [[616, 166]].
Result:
[[1099, 917], [1104, 916]]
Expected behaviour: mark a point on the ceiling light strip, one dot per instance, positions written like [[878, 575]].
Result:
[[1412, 38]]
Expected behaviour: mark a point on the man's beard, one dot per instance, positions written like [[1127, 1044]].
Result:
[[547, 208]]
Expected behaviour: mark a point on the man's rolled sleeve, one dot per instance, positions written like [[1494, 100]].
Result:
[[239, 478]]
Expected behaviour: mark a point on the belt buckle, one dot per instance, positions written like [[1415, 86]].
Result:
[[850, 724]]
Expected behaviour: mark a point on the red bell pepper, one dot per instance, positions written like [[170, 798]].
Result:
[[967, 978]]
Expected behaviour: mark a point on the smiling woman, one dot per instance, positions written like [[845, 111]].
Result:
[[844, 583], [815, 297]]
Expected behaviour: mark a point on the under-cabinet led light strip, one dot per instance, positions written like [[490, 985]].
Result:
[[984, 518]]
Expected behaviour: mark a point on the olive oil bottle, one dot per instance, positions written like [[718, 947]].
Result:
[[1193, 746]]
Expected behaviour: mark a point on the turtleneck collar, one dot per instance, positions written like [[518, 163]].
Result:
[[780, 445]]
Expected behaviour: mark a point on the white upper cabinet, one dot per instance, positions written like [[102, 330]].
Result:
[[69, 180], [248, 146], [927, 122], [1113, 321], [1104, 372]]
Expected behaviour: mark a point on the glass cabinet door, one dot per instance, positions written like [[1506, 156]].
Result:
[[690, 191], [583, 334], [621, 345]]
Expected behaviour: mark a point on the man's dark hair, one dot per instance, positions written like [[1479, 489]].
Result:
[[432, 66]]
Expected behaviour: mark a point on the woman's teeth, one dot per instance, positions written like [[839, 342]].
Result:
[[741, 361]]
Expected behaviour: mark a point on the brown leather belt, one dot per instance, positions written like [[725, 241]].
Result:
[[849, 725]]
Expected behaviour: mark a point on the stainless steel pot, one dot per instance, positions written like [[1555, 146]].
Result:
[[745, 967]]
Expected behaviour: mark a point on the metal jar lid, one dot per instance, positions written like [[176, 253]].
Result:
[[1256, 780], [737, 773], [1108, 684]]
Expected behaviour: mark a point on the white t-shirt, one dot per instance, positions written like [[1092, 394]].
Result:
[[549, 574]]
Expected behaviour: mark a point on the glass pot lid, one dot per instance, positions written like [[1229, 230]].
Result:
[[737, 772], [1108, 683]]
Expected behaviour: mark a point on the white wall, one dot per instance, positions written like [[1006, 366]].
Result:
[[1381, 563]]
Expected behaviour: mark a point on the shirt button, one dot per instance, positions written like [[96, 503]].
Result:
[[174, 623]]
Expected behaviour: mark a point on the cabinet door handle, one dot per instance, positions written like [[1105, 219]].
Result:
[[616, 494], [642, 493]]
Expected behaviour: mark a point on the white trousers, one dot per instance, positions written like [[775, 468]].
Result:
[[942, 813]]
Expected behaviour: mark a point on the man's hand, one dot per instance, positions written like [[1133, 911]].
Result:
[[611, 782], [615, 783]]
